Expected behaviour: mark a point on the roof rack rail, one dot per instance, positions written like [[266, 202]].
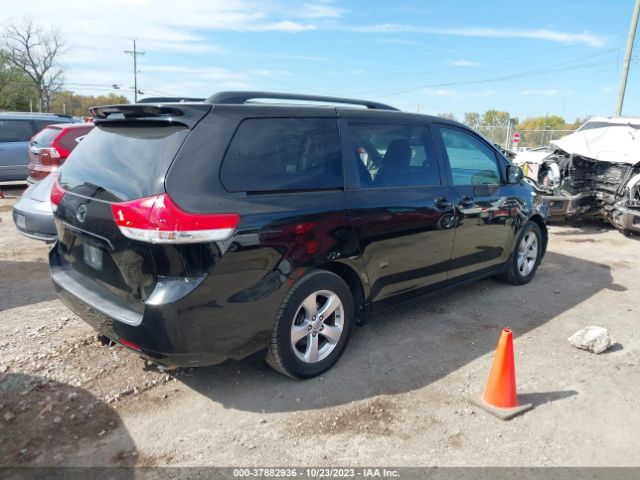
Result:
[[42, 114], [241, 97], [170, 100]]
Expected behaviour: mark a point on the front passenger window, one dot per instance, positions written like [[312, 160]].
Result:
[[472, 162], [393, 155]]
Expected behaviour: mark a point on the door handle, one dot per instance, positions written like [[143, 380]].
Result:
[[442, 203], [466, 202]]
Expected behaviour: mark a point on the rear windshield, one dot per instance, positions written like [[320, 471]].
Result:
[[44, 137], [122, 162]]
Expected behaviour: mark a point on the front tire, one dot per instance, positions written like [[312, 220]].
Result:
[[312, 326], [526, 256]]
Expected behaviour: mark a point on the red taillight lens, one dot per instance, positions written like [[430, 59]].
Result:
[[57, 150], [158, 219], [129, 344], [57, 192]]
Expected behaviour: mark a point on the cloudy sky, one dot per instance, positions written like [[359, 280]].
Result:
[[531, 58]]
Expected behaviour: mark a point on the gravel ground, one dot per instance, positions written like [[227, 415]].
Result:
[[399, 396]]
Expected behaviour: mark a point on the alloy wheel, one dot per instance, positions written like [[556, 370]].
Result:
[[527, 253], [317, 326]]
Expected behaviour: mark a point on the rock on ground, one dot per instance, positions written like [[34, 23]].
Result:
[[593, 339]]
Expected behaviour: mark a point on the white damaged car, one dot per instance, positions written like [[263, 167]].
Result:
[[594, 171]]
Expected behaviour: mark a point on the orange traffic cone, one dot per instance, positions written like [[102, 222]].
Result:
[[499, 397]]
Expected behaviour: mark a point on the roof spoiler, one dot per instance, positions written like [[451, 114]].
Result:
[[187, 115], [241, 97]]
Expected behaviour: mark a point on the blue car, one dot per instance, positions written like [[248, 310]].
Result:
[[16, 129]]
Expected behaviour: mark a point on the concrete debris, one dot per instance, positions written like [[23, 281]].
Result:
[[593, 339]]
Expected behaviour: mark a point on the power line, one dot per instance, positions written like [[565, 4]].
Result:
[[509, 65], [541, 71]]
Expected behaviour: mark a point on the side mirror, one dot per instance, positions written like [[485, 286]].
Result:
[[514, 174]]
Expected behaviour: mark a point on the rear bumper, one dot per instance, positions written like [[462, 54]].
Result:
[[13, 173], [34, 219], [170, 329]]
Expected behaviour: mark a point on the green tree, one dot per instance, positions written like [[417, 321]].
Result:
[[472, 119], [553, 122], [74, 104], [447, 115], [495, 117], [16, 89], [540, 130]]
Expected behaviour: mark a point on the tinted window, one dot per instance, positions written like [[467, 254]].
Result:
[[73, 137], [44, 137], [472, 161], [40, 124], [393, 155], [268, 154], [122, 162], [15, 130]]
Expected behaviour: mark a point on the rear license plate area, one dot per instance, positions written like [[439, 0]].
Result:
[[92, 256], [21, 221]]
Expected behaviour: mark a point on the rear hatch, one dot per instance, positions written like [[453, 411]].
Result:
[[123, 159], [51, 146], [41, 157]]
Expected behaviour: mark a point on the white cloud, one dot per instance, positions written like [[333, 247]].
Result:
[[96, 36], [585, 38], [484, 93], [286, 56], [541, 92], [316, 10], [441, 92], [463, 63], [284, 26], [399, 41]]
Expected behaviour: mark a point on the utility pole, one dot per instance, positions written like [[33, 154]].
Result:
[[627, 57], [134, 53]]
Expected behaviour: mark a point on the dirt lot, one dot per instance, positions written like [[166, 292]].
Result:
[[399, 396]]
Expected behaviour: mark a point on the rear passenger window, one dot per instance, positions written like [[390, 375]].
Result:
[[389, 155], [275, 154], [472, 162], [15, 130]]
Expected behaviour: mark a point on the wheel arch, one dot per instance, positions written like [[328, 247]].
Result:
[[543, 228], [355, 283]]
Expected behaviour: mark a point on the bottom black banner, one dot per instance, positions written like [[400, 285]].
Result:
[[429, 473]]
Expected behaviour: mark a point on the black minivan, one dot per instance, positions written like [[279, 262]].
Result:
[[196, 232]]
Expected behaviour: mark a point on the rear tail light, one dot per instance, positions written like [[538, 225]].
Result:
[[129, 344], [57, 192], [158, 219], [57, 150]]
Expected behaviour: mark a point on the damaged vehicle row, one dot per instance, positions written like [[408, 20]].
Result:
[[593, 172]]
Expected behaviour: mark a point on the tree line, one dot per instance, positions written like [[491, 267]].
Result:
[[31, 74], [499, 126], [498, 118]]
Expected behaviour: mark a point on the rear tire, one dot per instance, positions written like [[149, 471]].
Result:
[[526, 257], [312, 326]]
